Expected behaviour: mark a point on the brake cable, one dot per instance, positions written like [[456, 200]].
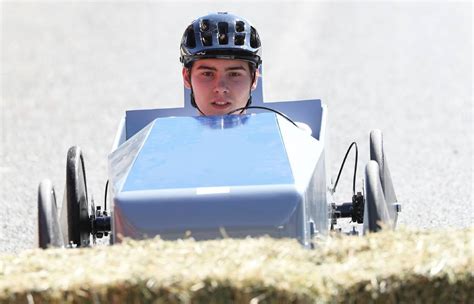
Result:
[[342, 166]]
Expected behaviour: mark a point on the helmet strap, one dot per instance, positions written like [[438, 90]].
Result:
[[193, 101], [249, 101], [194, 104]]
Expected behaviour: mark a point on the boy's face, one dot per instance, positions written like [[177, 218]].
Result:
[[220, 85]]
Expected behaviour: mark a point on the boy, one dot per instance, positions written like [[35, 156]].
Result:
[[221, 54]]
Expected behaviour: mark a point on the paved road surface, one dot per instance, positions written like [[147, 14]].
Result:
[[70, 70]]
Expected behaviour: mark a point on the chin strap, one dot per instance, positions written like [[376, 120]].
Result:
[[249, 101], [193, 102]]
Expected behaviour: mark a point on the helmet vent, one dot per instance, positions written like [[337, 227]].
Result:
[[204, 26], [223, 30], [239, 26], [189, 40], [239, 39], [206, 39], [254, 38]]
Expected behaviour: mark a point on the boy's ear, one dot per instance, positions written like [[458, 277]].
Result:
[[186, 78], [255, 81]]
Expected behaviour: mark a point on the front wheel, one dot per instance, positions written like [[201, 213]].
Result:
[[78, 222]]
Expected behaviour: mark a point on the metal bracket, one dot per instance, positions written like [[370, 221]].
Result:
[[397, 206]]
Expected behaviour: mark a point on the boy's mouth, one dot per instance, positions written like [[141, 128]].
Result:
[[221, 104]]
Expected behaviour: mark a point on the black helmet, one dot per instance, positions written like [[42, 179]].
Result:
[[220, 35]]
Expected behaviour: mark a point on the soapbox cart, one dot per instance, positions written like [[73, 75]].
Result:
[[174, 174]]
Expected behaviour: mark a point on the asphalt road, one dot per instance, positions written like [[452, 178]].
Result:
[[70, 69]]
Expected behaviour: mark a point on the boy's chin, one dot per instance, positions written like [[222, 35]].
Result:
[[215, 109]]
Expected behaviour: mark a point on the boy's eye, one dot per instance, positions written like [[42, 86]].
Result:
[[235, 74], [207, 74]]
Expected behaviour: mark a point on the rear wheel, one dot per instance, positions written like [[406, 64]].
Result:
[[49, 232], [376, 214], [78, 222]]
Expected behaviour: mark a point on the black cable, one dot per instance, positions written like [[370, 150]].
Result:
[[264, 108], [342, 166], [105, 196]]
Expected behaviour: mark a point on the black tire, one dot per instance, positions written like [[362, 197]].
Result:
[[78, 222], [49, 231], [376, 215], [377, 154]]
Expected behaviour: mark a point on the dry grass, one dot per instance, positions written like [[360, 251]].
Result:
[[388, 267]]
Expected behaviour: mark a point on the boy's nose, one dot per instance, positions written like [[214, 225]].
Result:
[[221, 86]]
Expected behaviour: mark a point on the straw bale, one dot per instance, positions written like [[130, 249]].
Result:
[[386, 267]]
